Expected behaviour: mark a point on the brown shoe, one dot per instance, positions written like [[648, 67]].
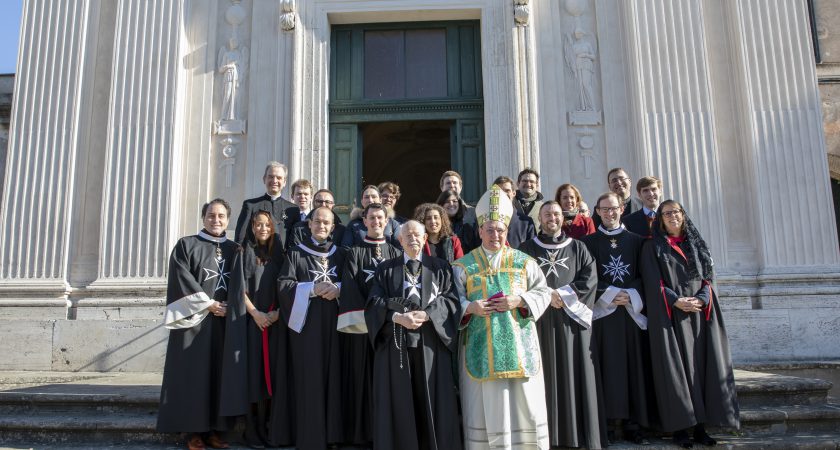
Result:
[[195, 443], [214, 441]]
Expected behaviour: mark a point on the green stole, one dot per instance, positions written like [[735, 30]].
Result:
[[502, 345]]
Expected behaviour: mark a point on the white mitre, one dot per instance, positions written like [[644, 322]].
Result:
[[494, 205]]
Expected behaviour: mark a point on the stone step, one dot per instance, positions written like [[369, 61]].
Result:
[[766, 389], [57, 427], [785, 420], [69, 398]]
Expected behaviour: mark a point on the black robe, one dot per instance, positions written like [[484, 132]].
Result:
[[622, 345], [276, 207], [570, 367], [395, 403], [692, 367], [205, 372], [356, 350], [315, 357]]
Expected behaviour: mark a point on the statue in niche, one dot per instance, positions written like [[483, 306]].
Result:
[[233, 64], [580, 59]]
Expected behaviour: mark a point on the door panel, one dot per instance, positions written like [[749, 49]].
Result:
[[345, 165], [468, 157]]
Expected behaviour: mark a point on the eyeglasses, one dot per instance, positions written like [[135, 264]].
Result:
[[388, 196], [617, 180], [323, 202], [609, 209], [672, 213]]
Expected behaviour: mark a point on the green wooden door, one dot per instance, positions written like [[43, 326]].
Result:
[[345, 166], [468, 156]]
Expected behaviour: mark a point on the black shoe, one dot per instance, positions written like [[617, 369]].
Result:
[[636, 437], [252, 441], [681, 439], [703, 438]]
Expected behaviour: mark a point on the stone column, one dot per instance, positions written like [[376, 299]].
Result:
[[140, 204], [672, 106], [525, 97], [785, 145]]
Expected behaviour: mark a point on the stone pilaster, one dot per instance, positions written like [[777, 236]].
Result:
[[673, 109], [525, 84], [140, 205]]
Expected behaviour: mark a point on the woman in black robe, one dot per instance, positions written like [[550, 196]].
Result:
[[267, 337], [692, 368]]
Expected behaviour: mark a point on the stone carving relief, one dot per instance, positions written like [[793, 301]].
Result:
[[232, 65], [521, 12], [287, 17]]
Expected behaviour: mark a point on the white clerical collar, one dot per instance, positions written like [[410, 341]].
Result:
[[373, 240], [211, 238], [561, 244], [647, 211], [272, 197], [407, 258], [612, 232], [312, 251]]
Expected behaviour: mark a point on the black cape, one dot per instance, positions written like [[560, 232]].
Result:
[[315, 358], [356, 350], [205, 372], [397, 410], [276, 207], [692, 367], [572, 387], [622, 346]]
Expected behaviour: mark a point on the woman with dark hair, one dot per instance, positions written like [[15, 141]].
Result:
[[441, 242], [356, 230], [266, 336], [692, 368], [575, 224], [461, 219]]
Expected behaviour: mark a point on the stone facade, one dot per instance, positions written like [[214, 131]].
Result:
[[129, 115]]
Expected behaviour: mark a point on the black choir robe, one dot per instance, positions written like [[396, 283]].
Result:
[[572, 387], [621, 339], [276, 207], [356, 350], [315, 358], [395, 407], [692, 367], [205, 371]]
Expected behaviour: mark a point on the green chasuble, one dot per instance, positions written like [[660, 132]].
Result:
[[504, 344]]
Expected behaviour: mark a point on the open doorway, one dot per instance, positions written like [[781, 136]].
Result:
[[412, 154]]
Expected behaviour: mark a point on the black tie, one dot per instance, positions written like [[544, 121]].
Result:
[[413, 267]]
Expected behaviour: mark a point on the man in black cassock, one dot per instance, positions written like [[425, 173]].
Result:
[[204, 376], [620, 326], [356, 351], [274, 179], [308, 289], [411, 318], [573, 390]]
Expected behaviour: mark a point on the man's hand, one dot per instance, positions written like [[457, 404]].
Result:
[[326, 290], [621, 299], [556, 300], [480, 308], [689, 304], [411, 320], [507, 303], [218, 309]]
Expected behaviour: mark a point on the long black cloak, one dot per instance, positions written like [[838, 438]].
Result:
[[315, 360], [356, 350], [205, 372], [394, 406], [692, 368], [621, 342], [572, 387]]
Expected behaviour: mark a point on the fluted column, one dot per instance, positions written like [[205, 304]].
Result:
[[676, 135], [785, 142], [525, 99], [44, 142], [139, 207]]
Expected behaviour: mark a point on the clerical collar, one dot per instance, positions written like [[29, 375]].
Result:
[[552, 243], [407, 258], [373, 240], [217, 239], [612, 232], [272, 197], [314, 248]]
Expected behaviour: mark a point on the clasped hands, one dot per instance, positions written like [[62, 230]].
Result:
[[218, 309], [327, 290], [411, 320], [264, 320], [689, 304], [483, 308]]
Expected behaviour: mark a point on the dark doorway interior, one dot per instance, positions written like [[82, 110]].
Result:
[[412, 154]]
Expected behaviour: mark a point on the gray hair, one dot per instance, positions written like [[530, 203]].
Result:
[[412, 224], [274, 165]]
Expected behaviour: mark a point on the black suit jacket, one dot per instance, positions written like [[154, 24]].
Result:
[[520, 229], [637, 223], [277, 208]]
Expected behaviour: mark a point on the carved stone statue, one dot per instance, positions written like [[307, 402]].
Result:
[[580, 59], [233, 65]]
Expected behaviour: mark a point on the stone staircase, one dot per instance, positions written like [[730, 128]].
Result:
[[49, 410]]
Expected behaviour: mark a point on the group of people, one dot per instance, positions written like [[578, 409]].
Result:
[[520, 322]]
